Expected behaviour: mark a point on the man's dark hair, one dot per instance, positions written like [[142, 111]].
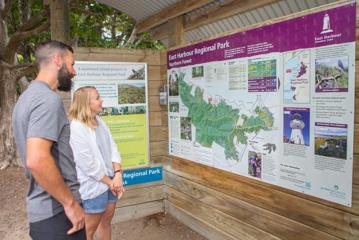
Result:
[[45, 51]]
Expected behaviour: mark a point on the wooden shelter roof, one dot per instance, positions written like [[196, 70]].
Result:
[[203, 19]]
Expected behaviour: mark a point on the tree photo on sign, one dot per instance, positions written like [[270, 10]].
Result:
[[25, 23]]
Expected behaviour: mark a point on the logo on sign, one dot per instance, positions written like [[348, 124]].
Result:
[[326, 24]]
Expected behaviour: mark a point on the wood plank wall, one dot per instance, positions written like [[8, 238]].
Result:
[[222, 205], [146, 199]]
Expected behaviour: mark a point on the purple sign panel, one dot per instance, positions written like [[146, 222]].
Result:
[[332, 26]]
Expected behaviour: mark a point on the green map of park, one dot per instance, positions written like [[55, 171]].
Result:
[[218, 123]]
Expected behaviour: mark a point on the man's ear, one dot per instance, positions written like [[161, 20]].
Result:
[[57, 60]]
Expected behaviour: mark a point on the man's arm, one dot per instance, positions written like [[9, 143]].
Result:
[[43, 168]]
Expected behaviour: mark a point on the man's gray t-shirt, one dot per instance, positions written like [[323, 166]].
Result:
[[40, 113]]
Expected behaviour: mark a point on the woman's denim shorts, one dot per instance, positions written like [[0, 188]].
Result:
[[99, 203]]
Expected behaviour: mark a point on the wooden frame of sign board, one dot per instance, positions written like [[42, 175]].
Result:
[[144, 199]]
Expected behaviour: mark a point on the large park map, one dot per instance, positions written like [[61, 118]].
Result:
[[221, 125]]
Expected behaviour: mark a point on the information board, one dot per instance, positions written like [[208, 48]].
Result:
[[123, 89], [275, 103]]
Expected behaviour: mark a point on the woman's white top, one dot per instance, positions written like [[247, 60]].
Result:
[[94, 152]]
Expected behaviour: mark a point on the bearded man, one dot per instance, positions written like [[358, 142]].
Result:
[[42, 132]]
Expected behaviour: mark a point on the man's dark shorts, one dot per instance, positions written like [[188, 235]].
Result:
[[55, 228]]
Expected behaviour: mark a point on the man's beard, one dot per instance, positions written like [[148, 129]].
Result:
[[64, 78]]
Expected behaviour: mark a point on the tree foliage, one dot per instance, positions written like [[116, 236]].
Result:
[[92, 24], [20, 20], [144, 41], [96, 25], [25, 23]]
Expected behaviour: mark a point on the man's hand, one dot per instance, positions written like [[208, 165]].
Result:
[[76, 215]]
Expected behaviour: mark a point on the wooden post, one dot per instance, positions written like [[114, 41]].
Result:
[[60, 20], [176, 31]]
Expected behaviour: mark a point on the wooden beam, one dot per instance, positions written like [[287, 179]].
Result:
[[159, 32], [215, 13], [196, 224], [175, 31], [141, 195], [224, 10], [172, 11], [119, 55], [137, 211], [60, 20]]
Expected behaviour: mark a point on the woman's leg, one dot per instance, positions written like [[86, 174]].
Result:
[[104, 228], [91, 222]]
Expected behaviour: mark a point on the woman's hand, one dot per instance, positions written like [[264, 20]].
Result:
[[118, 184], [110, 183]]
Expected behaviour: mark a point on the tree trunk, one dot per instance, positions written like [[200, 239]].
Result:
[[8, 97]]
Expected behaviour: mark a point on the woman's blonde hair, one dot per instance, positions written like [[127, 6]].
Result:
[[80, 108]]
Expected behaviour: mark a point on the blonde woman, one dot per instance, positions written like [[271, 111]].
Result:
[[97, 163]]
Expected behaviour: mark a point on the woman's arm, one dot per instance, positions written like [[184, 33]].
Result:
[[116, 161], [115, 155], [85, 158], [117, 179]]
